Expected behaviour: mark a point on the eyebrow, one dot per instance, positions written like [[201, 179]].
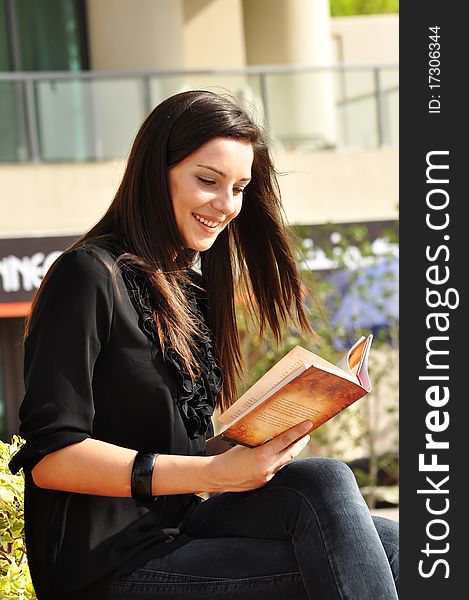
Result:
[[221, 172]]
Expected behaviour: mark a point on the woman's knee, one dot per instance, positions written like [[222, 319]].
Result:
[[318, 475]]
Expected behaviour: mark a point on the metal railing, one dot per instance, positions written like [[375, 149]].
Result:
[[40, 109]]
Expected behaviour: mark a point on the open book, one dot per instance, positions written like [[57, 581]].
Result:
[[301, 386]]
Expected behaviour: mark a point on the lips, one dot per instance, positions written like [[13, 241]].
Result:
[[212, 223]]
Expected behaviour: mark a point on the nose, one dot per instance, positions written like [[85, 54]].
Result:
[[225, 202]]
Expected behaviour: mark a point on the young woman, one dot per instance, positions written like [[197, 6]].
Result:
[[128, 350]]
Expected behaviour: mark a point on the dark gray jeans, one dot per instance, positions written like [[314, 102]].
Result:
[[305, 535]]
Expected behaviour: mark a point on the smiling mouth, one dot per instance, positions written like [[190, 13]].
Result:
[[206, 222]]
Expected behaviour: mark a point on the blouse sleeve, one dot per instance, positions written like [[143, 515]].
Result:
[[71, 324]]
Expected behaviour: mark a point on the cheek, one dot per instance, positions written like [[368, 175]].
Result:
[[192, 196], [233, 214], [173, 188], [239, 205], [183, 196]]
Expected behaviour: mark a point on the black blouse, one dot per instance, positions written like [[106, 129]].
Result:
[[94, 368]]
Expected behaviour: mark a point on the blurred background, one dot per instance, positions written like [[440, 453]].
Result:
[[77, 77]]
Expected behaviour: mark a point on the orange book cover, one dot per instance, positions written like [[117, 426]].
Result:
[[301, 386]]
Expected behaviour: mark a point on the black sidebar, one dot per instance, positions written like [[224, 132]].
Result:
[[434, 345]]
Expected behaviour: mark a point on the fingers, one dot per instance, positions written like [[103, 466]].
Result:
[[288, 437], [292, 451], [250, 468]]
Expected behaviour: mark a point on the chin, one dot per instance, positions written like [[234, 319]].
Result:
[[202, 247], [199, 246]]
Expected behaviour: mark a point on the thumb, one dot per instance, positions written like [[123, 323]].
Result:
[[288, 437]]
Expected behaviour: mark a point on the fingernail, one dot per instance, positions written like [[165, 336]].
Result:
[[308, 425]]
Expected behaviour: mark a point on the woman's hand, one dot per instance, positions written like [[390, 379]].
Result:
[[240, 468]]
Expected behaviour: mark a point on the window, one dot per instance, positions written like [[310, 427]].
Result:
[[35, 36]]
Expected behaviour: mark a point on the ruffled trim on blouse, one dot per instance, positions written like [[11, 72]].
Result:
[[196, 399]]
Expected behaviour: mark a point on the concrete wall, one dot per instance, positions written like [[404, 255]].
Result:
[[317, 187], [317, 110], [367, 38], [152, 34], [165, 34], [362, 40], [321, 186], [129, 35], [340, 186], [210, 24], [55, 199], [302, 106]]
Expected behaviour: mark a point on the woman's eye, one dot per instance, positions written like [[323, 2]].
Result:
[[238, 190], [206, 181]]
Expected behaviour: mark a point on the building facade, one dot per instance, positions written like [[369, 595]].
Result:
[[77, 77]]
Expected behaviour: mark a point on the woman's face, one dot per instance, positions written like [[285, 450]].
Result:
[[207, 189]]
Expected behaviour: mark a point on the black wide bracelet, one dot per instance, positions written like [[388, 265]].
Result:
[[142, 475]]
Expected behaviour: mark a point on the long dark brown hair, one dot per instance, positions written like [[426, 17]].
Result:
[[253, 254]]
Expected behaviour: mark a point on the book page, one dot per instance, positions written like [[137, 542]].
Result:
[[243, 405], [350, 361], [280, 372], [362, 369], [355, 361], [316, 394]]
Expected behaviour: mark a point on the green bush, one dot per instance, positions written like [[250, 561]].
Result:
[[341, 8], [15, 580]]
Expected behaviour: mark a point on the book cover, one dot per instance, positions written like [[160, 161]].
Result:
[[301, 386]]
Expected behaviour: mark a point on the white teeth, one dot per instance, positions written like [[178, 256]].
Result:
[[205, 222]]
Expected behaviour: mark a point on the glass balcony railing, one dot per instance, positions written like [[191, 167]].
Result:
[[91, 116]]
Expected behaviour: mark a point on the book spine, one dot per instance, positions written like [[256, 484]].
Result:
[[234, 442]]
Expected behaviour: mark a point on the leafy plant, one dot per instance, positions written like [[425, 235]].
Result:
[[369, 296], [340, 8], [371, 423], [15, 579]]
